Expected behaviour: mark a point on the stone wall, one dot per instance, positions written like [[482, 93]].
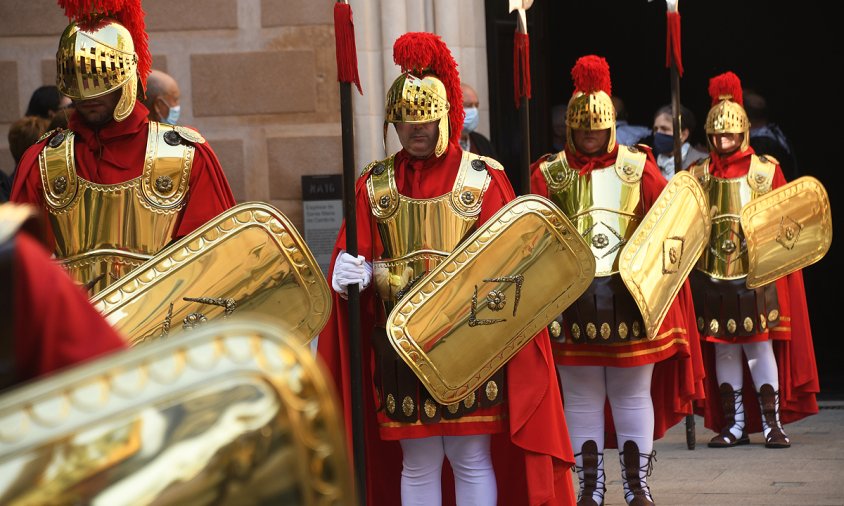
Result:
[[257, 77]]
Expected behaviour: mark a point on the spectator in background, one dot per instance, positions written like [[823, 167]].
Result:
[[24, 133], [163, 98], [46, 101], [767, 138], [470, 139], [663, 140], [627, 134]]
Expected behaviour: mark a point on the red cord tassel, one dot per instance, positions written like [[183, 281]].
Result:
[[672, 42], [521, 67], [344, 36]]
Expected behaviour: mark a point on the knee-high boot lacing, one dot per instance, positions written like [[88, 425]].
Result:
[[635, 473], [733, 433], [591, 475], [769, 402]]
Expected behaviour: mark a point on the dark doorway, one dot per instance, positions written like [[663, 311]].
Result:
[[788, 53]]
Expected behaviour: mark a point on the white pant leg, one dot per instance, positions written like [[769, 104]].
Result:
[[762, 364], [584, 395], [421, 473], [629, 392], [728, 365], [474, 476]]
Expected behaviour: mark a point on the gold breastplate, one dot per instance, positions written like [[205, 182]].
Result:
[[105, 230], [417, 234], [604, 205], [726, 255]]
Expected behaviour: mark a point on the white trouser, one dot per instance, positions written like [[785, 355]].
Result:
[[760, 361], [470, 459]]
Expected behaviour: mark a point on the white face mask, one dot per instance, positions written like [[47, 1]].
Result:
[[470, 122], [173, 115]]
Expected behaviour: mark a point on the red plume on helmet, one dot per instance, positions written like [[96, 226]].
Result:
[[726, 84], [423, 53], [590, 74], [126, 12]]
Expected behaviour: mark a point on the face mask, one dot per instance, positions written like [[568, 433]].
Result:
[[173, 115], [663, 143], [470, 122]]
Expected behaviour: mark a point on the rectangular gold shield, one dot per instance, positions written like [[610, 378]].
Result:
[[786, 229], [249, 259], [463, 321], [663, 250]]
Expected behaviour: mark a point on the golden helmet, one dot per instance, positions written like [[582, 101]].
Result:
[[727, 115], [428, 89], [591, 107], [96, 60]]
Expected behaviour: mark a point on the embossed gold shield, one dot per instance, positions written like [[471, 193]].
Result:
[[464, 320], [249, 259], [786, 229], [662, 251], [235, 413]]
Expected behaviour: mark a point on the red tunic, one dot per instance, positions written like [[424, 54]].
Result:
[[115, 154], [54, 324], [792, 337], [678, 374], [533, 455]]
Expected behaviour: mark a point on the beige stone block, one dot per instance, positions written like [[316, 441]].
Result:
[[31, 17], [297, 12], [230, 154], [289, 158], [166, 15], [159, 62], [9, 100], [253, 83], [48, 71]]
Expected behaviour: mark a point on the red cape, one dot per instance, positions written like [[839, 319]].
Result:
[[792, 339], [678, 380], [532, 461], [55, 326], [114, 154]]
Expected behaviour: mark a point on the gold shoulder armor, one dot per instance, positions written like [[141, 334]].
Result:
[[381, 187], [368, 169], [630, 163], [492, 162], [760, 177], [48, 134], [190, 135], [769, 158], [556, 171], [700, 170]]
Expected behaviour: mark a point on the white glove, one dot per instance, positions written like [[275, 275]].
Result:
[[349, 270]]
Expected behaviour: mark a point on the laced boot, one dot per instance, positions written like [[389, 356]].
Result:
[[635, 473], [591, 474], [733, 433], [769, 401]]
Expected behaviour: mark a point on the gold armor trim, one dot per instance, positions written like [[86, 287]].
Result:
[[249, 411], [787, 229], [665, 247], [726, 255], [403, 222], [604, 206], [207, 275], [94, 240], [453, 335]]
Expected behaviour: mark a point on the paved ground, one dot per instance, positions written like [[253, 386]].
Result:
[[811, 472]]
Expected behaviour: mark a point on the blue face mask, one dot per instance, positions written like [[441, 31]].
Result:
[[173, 115], [470, 122], [663, 143]]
